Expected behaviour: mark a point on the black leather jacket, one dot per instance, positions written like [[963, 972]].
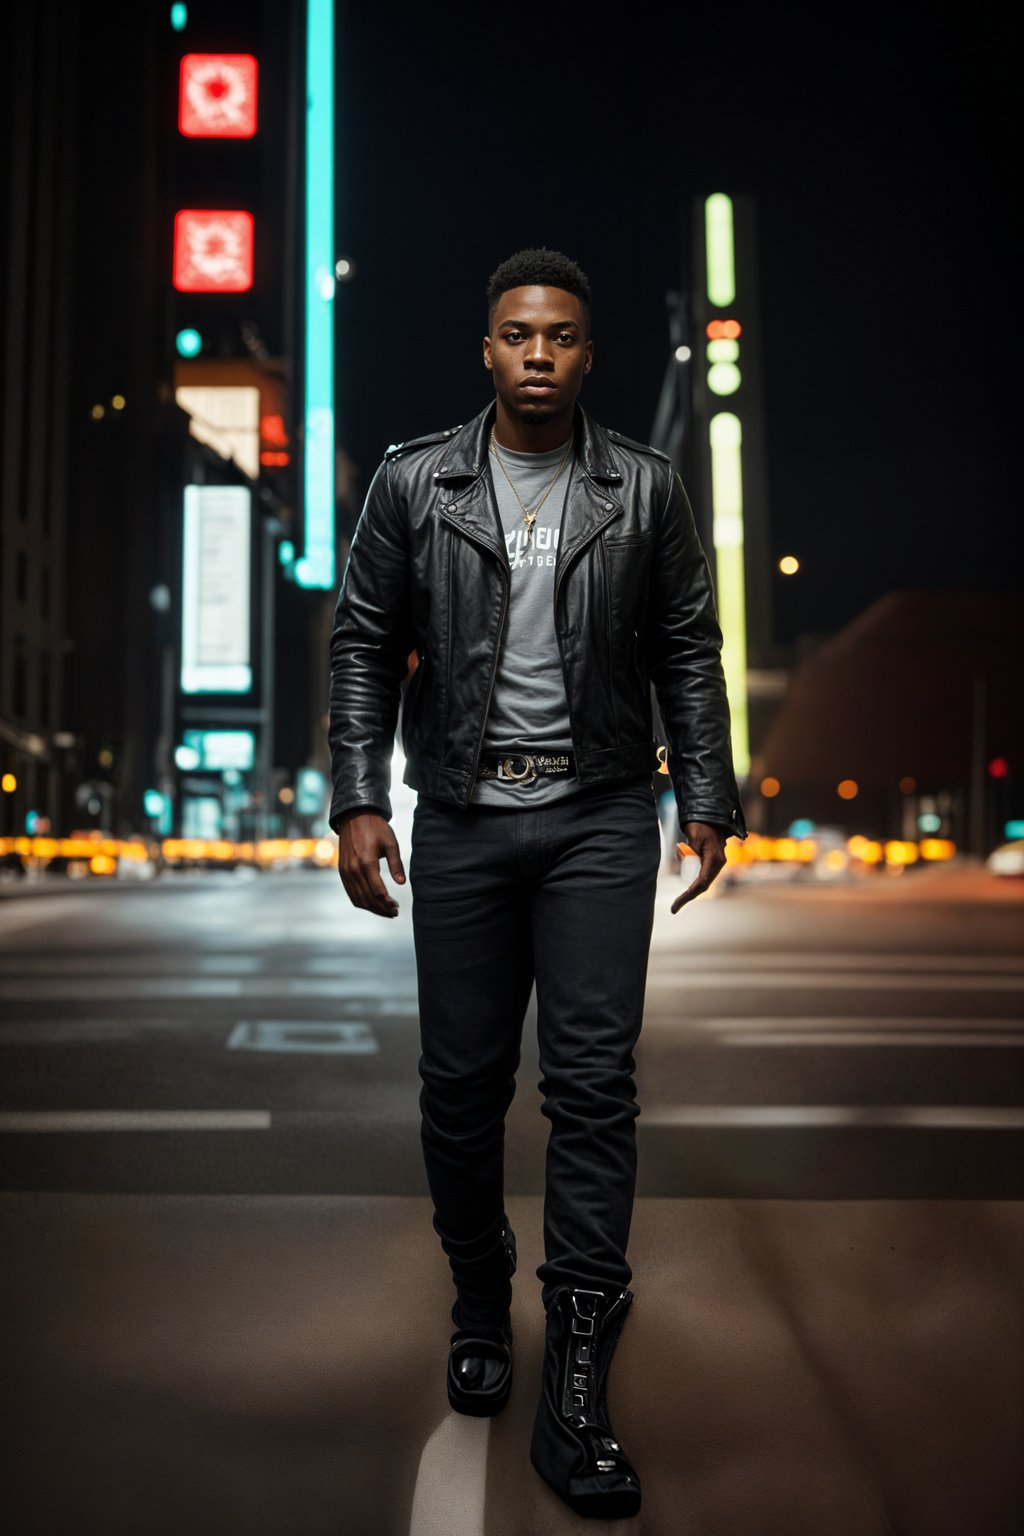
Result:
[[428, 571]]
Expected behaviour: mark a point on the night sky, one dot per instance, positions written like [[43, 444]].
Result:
[[877, 147]]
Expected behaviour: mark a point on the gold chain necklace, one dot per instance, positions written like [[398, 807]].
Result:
[[531, 517]]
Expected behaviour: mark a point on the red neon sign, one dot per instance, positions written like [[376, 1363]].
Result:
[[213, 250], [217, 96]]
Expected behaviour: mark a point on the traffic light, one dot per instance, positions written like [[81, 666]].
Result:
[[188, 342]]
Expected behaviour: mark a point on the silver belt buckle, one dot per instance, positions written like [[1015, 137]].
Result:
[[526, 776]]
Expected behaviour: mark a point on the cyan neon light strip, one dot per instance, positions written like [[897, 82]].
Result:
[[315, 567], [727, 531], [719, 244]]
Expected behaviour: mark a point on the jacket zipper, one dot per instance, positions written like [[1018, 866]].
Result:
[[558, 633], [506, 583]]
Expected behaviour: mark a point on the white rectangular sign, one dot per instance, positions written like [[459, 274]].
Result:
[[215, 590]]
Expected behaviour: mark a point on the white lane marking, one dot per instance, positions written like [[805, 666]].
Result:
[[918, 1116], [76, 988], [822, 1029], [360, 968], [360, 988], [932, 981], [852, 1021], [69, 987], [35, 909], [229, 965], [224, 964], [869, 1037], [845, 960], [451, 1482], [135, 1120], [355, 1039]]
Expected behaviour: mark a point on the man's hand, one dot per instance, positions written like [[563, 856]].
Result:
[[708, 843], [364, 838]]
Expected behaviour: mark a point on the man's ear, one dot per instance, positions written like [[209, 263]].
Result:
[[487, 352]]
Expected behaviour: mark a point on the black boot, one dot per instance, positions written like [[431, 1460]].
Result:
[[574, 1447], [480, 1357]]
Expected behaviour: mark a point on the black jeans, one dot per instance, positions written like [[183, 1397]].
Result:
[[563, 895]]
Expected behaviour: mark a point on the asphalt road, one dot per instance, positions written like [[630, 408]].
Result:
[[225, 1305]]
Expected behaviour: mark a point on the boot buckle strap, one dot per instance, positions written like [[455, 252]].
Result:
[[583, 1320]]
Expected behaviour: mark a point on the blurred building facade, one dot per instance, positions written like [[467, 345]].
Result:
[[100, 435], [906, 723], [42, 157]]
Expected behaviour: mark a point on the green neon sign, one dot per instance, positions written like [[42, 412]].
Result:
[[726, 436], [718, 238], [315, 567]]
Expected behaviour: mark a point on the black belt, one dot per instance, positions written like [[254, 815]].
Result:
[[523, 767]]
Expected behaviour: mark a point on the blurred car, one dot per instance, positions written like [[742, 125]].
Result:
[[1007, 859]]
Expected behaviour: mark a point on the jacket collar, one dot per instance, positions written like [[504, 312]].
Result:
[[466, 453], [590, 501]]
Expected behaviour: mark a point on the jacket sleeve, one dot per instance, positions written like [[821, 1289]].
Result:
[[370, 645], [685, 645]]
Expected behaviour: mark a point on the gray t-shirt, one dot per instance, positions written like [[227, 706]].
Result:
[[528, 705]]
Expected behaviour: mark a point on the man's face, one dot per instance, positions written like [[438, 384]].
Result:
[[538, 352]]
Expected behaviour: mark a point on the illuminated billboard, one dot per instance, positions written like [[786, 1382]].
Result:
[[218, 751], [227, 418], [215, 638], [213, 250], [217, 96]]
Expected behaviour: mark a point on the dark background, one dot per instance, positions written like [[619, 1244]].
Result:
[[877, 145]]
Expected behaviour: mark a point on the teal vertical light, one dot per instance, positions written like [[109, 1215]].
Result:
[[179, 17], [315, 567]]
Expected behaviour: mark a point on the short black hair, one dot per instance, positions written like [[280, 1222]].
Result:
[[541, 268]]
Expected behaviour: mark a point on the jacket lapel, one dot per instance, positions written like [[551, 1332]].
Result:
[[588, 508], [591, 501], [466, 496], [473, 509]]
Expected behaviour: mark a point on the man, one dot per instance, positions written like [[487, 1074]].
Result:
[[545, 572]]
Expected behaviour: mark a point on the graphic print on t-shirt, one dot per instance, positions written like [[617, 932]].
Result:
[[539, 548]]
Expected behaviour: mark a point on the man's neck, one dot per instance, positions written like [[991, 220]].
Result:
[[532, 436]]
